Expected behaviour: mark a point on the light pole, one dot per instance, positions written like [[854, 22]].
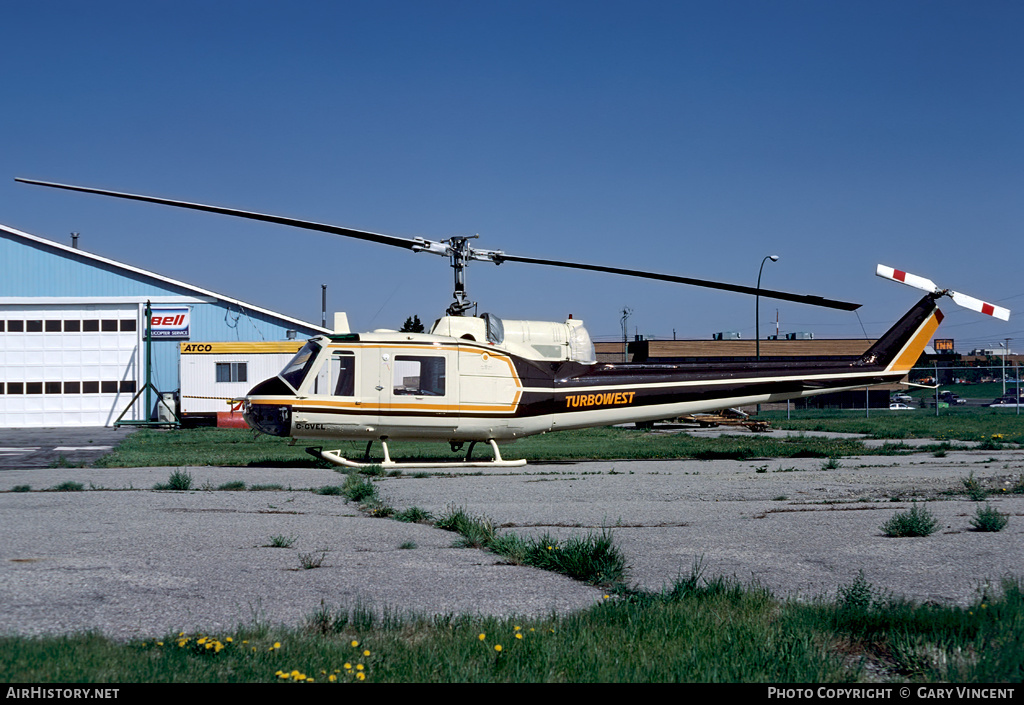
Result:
[[1006, 349], [757, 311], [757, 305]]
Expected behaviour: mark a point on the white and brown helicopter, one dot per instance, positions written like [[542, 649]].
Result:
[[478, 379]]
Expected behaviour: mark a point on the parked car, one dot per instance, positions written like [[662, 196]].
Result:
[[901, 398], [896, 405], [950, 398]]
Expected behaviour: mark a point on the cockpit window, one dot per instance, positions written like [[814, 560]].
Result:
[[296, 370]]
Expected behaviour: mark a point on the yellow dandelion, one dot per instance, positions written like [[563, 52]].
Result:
[[497, 647], [332, 678], [519, 636], [482, 637], [366, 653], [361, 676], [348, 666], [354, 643], [360, 667]]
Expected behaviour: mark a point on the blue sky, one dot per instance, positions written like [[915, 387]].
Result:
[[690, 138]]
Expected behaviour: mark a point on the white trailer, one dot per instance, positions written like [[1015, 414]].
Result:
[[212, 374]]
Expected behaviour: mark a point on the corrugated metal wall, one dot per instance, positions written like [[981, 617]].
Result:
[[32, 270]]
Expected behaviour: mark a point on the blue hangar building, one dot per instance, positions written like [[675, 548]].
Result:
[[72, 334]]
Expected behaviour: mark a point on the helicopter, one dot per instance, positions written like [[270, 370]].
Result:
[[482, 379]]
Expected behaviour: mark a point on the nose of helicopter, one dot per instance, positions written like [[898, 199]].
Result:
[[269, 416]]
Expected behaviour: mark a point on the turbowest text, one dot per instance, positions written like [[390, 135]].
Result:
[[603, 399]]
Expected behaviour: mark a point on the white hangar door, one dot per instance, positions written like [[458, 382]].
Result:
[[67, 365]]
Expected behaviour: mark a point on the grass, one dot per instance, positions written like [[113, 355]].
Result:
[[235, 447], [592, 558], [980, 425], [993, 428], [696, 630]]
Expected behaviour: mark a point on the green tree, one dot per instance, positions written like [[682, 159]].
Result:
[[412, 325]]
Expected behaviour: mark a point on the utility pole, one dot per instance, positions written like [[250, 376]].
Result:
[[626, 310]]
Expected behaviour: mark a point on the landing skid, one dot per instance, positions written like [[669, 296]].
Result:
[[333, 456]]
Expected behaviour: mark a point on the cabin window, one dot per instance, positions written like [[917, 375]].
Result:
[[419, 376], [232, 372], [296, 370], [343, 372]]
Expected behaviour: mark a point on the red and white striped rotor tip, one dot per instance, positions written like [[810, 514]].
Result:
[[929, 286]]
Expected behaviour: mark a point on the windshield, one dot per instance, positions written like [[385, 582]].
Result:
[[295, 371]]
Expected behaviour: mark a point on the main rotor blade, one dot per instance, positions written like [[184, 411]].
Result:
[[767, 293], [402, 242], [420, 245]]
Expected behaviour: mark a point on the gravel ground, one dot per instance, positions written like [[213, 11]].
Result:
[[129, 561]]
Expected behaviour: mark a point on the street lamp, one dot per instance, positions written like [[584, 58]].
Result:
[[757, 305], [1006, 349]]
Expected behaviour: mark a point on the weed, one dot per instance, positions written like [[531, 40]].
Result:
[[974, 488], [308, 561], [234, 486], [988, 518], [857, 594], [476, 532], [358, 489], [414, 515], [831, 464], [21, 488], [330, 490], [408, 545], [1018, 486], [379, 510], [69, 486], [63, 462], [916, 522], [280, 541], [266, 488], [179, 480]]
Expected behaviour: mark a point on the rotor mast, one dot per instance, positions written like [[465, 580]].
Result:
[[459, 253]]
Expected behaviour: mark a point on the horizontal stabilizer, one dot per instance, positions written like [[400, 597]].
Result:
[[928, 285]]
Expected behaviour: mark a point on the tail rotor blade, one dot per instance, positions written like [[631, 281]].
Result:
[[928, 285], [907, 278], [980, 306]]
